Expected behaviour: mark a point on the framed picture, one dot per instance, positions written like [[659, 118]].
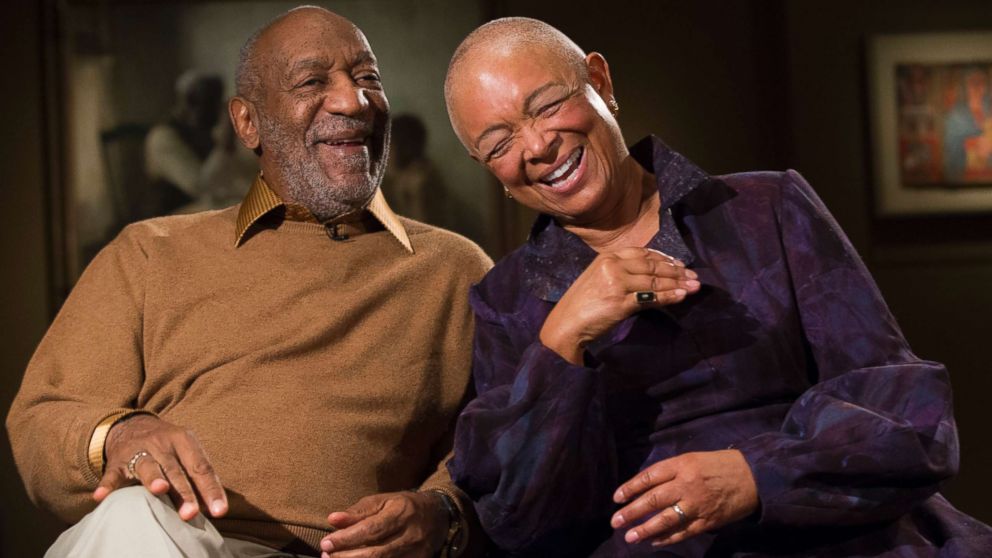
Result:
[[931, 101], [139, 126]]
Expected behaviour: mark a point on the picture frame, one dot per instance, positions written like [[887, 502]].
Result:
[[931, 116]]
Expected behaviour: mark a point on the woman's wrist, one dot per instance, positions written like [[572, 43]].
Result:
[[566, 346]]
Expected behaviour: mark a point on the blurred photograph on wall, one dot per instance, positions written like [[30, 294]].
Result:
[[945, 124], [142, 112], [932, 123]]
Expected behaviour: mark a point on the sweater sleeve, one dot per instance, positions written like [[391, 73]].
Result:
[[875, 434], [533, 450], [87, 368]]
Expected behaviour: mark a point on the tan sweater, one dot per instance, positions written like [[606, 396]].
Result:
[[314, 372]]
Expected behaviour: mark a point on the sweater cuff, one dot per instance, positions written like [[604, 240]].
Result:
[[95, 452]]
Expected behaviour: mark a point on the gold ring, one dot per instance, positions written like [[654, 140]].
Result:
[[682, 518], [133, 462]]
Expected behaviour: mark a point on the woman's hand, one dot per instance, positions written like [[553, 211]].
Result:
[[605, 294], [711, 489]]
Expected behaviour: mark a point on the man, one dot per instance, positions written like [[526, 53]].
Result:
[[299, 355], [747, 395]]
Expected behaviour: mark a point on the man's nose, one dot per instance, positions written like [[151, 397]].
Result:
[[540, 146], [346, 97]]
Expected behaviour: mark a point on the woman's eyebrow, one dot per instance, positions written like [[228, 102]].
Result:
[[532, 98], [489, 131]]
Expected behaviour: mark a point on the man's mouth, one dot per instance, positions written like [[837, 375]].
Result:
[[560, 175], [358, 141]]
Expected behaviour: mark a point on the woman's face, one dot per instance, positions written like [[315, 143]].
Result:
[[543, 130]]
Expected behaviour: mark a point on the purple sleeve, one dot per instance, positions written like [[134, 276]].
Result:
[[532, 450], [875, 435]]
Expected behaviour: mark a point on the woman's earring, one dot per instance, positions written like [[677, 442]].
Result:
[[507, 193], [614, 105]]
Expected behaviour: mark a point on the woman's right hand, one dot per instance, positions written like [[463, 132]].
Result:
[[605, 294]]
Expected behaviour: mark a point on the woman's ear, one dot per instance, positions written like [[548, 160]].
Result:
[[243, 116], [599, 75]]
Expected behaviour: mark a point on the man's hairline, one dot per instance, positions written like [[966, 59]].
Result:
[[249, 65]]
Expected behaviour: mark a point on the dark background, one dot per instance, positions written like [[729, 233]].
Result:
[[733, 84]]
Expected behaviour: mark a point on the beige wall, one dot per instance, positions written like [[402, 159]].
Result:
[[733, 84], [24, 300]]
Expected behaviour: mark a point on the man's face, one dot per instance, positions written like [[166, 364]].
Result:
[[543, 131], [323, 117]]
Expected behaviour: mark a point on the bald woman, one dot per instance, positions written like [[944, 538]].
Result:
[[675, 363]]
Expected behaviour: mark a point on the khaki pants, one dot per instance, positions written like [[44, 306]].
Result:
[[133, 522]]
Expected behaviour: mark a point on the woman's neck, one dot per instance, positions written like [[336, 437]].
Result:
[[633, 219]]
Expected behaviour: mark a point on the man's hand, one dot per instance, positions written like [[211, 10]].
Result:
[[712, 489], [174, 458], [392, 524]]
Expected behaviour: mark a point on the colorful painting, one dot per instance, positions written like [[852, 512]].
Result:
[[945, 124], [932, 123]]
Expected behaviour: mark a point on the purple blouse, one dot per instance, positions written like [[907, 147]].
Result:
[[788, 353]]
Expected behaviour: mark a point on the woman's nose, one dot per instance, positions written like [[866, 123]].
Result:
[[540, 146]]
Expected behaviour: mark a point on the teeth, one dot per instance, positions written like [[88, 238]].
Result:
[[564, 169], [342, 142]]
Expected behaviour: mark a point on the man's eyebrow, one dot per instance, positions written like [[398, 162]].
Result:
[[306, 64], [364, 57]]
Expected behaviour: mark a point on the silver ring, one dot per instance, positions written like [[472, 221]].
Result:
[[134, 462], [682, 518], [645, 297]]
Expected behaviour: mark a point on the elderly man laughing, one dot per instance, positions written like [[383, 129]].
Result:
[[291, 366]]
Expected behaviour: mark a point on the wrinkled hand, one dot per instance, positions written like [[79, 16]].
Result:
[[176, 464], [391, 524], [712, 488], [603, 295]]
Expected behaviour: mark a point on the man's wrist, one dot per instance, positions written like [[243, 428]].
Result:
[[96, 454], [454, 537]]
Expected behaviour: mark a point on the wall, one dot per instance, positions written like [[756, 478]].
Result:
[[689, 72], [733, 84], [777, 84], [24, 301], [150, 45], [937, 286]]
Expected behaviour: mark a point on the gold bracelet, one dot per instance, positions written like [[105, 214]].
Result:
[[95, 451]]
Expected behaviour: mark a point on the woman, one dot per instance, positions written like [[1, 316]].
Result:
[[676, 363]]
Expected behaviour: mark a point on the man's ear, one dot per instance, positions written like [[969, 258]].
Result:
[[243, 117], [599, 75]]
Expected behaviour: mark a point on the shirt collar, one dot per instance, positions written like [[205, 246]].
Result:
[[554, 257], [261, 200]]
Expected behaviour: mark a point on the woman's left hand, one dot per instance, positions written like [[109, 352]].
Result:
[[711, 489]]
